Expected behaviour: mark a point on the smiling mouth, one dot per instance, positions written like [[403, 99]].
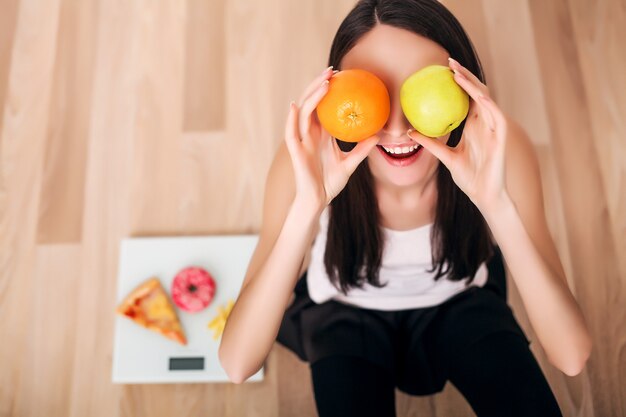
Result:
[[401, 156]]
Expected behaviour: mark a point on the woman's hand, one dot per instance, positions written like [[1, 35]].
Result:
[[321, 169], [477, 162]]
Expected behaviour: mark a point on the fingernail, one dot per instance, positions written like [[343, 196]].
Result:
[[335, 71], [452, 60], [328, 69]]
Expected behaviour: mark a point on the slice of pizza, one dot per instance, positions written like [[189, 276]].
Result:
[[149, 306]]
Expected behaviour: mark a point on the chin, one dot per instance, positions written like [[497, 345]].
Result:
[[406, 176]]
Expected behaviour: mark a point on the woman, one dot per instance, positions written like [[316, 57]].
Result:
[[397, 266]]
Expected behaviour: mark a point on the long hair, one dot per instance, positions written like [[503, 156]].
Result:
[[459, 237]]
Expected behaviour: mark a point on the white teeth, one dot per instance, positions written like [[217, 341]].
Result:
[[399, 150]]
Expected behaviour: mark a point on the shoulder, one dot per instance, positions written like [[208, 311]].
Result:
[[519, 142], [523, 174]]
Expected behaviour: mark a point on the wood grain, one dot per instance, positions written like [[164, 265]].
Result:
[[127, 118]]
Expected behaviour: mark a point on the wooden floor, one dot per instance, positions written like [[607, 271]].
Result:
[[123, 118]]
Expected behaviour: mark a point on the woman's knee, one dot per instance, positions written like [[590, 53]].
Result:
[[345, 385]]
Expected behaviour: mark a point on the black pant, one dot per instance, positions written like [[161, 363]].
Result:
[[498, 376]]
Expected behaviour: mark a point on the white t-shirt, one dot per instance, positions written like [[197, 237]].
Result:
[[405, 261]]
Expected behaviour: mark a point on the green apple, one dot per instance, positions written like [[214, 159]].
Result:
[[433, 102]]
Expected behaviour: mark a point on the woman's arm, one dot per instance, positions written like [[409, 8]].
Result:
[[253, 323], [315, 171], [518, 224], [495, 165]]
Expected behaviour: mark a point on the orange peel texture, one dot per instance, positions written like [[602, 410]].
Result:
[[355, 107]]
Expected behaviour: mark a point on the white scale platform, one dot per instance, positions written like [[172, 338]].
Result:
[[143, 356]]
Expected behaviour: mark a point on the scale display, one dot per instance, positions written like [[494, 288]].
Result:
[[143, 356], [187, 364]]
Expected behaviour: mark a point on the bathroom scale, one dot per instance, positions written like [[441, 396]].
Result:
[[143, 356]]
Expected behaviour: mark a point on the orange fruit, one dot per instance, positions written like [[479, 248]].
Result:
[[355, 107]]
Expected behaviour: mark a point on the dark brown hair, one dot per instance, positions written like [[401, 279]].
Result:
[[460, 238]]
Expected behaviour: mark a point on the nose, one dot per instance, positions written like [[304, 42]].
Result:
[[397, 124]]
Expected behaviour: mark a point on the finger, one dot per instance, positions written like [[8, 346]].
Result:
[[309, 105], [498, 120], [440, 150], [360, 152], [456, 66], [315, 83], [470, 87], [291, 131], [475, 93]]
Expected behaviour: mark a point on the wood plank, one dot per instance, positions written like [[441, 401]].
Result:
[[107, 206], [599, 29], [205, 66], [46, 365], [22, 140], [63, 182], [158, 121], [514, 75], [8, 21], [600, 289]]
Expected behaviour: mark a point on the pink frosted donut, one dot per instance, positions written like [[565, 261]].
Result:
[[193, 289]]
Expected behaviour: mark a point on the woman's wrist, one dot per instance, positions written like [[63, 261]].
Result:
[[308, 206], [497, 207]]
